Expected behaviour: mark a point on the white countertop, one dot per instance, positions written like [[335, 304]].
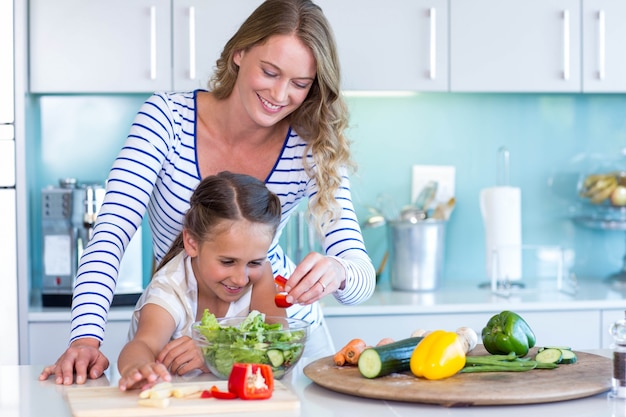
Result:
[[467, 297], [454, 297], [22, 395]]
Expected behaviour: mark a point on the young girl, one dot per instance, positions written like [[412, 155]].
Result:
[[219, 262]]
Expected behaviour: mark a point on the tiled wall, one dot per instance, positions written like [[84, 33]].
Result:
[[79, 136]]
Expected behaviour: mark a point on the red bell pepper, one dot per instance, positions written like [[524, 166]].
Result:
[[251, 381], [222, 395]]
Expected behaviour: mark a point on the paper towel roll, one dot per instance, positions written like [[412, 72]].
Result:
[[501, 209]]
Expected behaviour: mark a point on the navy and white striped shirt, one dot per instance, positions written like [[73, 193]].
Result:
[[157, 171]]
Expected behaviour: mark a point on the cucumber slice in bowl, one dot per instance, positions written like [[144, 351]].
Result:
[[276, 357]]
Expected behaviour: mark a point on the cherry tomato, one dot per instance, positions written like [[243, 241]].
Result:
[[281, 300], [280, 281]]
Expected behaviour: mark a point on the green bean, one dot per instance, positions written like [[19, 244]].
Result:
[[494, 368], [502, 363]]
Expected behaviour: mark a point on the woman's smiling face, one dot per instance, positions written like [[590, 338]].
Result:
[[274, 78]]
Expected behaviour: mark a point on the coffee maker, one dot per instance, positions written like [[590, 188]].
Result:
[[69, 213]]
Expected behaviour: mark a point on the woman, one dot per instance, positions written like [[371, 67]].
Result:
[[273, 111]]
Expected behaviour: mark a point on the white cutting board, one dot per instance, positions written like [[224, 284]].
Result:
[[110, 401]]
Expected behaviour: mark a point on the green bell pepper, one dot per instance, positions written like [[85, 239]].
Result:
[[508, 332]]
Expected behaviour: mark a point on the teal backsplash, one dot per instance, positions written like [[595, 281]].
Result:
[[79, 136]]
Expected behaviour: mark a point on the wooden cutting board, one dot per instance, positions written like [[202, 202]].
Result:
[[590, 375], [110, 401]]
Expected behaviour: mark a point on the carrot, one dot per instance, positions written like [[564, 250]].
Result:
[[339, 358], [385, 341], [353, 351], [349, 353]]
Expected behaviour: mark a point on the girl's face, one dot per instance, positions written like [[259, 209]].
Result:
[[232, 260], [274, 78]]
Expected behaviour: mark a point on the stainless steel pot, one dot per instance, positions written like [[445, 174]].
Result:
[[416, 254]]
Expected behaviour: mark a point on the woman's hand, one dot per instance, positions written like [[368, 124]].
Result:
[[181, 356], [315, 277], [82, 358], [143, 376]]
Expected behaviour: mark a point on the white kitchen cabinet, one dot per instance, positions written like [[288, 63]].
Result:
[[604, 31], [515, 46], [393, 45], [100, 46], [49, 339], [201, 28], [576, 328]]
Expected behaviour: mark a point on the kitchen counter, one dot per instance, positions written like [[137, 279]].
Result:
[[466, 297], [579, 314], [22, 395], [452, 297]]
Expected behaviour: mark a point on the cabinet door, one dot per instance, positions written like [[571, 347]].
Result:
[[48, 340], [201, 29], [515, 46], [604, 31], [100, 46], [392, 45]]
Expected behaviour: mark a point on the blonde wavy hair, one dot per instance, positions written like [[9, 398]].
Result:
[[323, 116]]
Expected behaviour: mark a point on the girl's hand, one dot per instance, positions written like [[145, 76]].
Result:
[[315, 277], [181, 356], [143, 376]]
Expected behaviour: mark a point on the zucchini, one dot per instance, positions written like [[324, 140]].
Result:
[[379, 361], [549, 355], [568, 357], [555, 347]]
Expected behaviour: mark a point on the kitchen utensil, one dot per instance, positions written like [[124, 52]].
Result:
[[426, 196], [412, 214], [444, 210], [373, 222], [416, 254], [592, 375], [110, 401], [382, 265]]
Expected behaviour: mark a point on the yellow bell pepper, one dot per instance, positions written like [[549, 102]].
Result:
[[439, 355]]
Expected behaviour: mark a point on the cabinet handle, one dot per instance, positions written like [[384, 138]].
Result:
[[192, 43], [566, 45], [153, 46], [433, 43], [601, 45]]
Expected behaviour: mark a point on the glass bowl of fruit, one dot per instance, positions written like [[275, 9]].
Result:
[[604, 188], [602, 191]]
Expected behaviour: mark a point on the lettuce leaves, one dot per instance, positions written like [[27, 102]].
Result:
[[248, 342]]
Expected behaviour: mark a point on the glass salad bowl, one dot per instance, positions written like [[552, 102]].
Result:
[[256, 338]]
